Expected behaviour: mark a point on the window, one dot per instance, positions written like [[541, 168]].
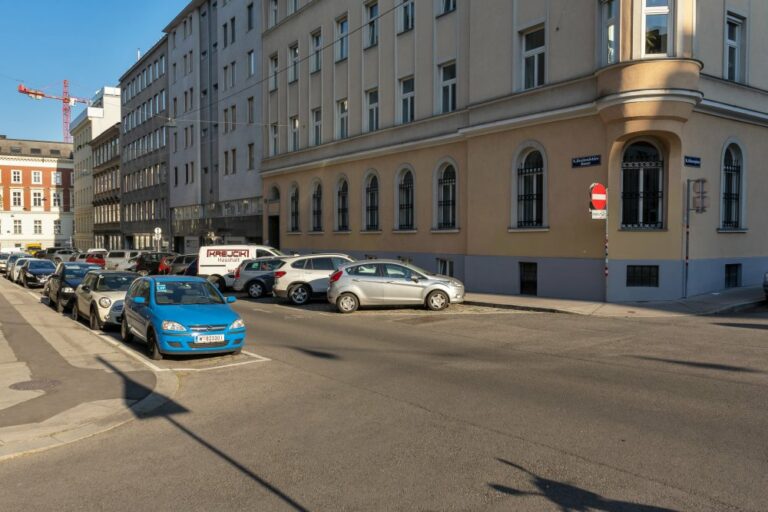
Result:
[[37, 199], [731, 186], [372, 99], [405, 15], [448, 87], [37, 177], [656, 21], [732, 275], [272, 13], [405, 201], [342, 206], [273, 139], [407, 100], [232, 30], [342, 119], [38, 227], [342, 39], [251, 157], [16, 199], [250, 110], [234, 162], [293, 6], [735, 53], [293, 63], [273, 63], [372, 28], [642, 187], [294, 122], [56, 199], [294, 210], [232, 78], [446, 6], [446, 198], [315, 62], [226, 163], [56, 227], [15, 176], [530, 190], [317, 208], [372, 203], [643, 276], [249, 16], [251, 63], [445, 267], [233, 116], [16, 226], [317, 127], [610, 20], [534, 58]]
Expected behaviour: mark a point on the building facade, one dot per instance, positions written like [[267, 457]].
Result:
[[215, 185], [106, 189], [102, 113], [35, 194], [468, 143]]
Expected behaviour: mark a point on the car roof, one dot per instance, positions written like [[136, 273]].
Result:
[[165, 279], [71, 264], [102, 272], [318, 255]]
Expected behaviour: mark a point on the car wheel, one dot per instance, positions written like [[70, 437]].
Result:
[[95, 322], [60, 306], [153, 351], [299, 295], [75, 313], [347, 303], [437, 300], [237, 352], [125, 332], [255, 289]]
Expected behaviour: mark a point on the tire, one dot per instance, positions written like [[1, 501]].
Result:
[[438, 300], [153, 351], [75, 312], [60, 306], [94, 321], [125, 333], [24, 282], [255, 289], [299, 294], [347, 303]]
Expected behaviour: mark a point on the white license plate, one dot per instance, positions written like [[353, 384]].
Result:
[[210, 338]]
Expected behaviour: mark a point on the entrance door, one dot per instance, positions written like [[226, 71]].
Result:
[[528, 279], [274, 231]]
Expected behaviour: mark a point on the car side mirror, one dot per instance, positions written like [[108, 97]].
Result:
[[231, 299], [415, 279], [85, 288], [139, 300]]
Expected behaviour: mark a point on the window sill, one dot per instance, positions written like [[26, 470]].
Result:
[[315, 232], [732, 230], [405, 231], [291, 82], [370, 232], [315, 71], [445, 231], [293, 233], [404, 31], [374, 45], [444, 13], [541, 229], [342, 59], [343, 232], [644, 230]]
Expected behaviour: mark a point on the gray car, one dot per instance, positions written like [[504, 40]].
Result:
[[180, 264], [257, 276], [391, 282]]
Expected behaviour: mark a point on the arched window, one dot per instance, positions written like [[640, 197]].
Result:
[[372, 203], [294, 210], [530, 190], [642, 191], [446, 198], [731, 187], [405, 219], [317, 207], [342, 206], [274, 194]]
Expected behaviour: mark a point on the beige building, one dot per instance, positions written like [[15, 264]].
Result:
[[465, 135]]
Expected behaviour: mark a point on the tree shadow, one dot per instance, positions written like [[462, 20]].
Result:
[[171, 408], [569, 497], [696, 364], [743, 325], [316, 353]]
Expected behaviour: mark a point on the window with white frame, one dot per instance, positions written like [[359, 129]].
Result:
[[342, 38], [293, 6], [273, 12], [372, 25], [37, 177], [317, 127], [372, 106], [16, 226], [534, 58], [251, 63], [405, 201], [316, 41], [57, 178], [16, 199], [317, 208], [273, 139], [15, 176], [446, 6], [273, 63], [38, 227], [405, 16], [731, 186], [735, 51], [445, 267], [57, 227], [294, 122], [657, 27], [372, 203], [37, 199], [610, 19], [448, 87], [56, 199], [407, 100], [342, 119], [293, 63]]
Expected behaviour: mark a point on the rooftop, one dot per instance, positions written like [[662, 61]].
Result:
[[35, 148]]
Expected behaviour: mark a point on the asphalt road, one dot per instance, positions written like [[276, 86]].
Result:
[[470, 409]]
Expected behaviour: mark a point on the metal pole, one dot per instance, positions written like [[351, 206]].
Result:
[[606, 246], [687, 236]]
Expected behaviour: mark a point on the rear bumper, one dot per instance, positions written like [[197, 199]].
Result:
[[280, 294]]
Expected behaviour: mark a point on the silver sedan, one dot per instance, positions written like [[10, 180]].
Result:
[[391, 282]]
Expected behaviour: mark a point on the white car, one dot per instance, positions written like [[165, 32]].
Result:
[[218, 263], [119, 260], [100, 297], [16, 269], [303, 277]]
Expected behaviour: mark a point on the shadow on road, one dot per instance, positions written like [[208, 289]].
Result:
[[170, 408], [696, 364], [316, 353], [744, 325], [569, 497]]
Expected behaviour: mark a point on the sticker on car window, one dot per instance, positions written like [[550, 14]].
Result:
[[160, 287]]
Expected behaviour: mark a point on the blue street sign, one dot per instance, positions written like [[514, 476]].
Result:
[[585, 161], [692, 161]]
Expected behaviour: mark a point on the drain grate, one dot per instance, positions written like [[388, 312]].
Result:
[[35, 384]]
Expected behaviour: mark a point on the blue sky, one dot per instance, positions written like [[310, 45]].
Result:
[[89, 42]]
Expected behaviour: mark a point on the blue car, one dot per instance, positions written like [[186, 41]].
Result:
[[181, 315]]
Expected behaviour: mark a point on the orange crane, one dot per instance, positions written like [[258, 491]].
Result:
[[67, 102]]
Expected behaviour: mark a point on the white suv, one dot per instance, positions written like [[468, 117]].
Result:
[[301, 277]]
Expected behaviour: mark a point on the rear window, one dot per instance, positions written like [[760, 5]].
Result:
[[116, 254]]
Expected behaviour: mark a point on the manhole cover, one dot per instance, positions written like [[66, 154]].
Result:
[[36, 384]]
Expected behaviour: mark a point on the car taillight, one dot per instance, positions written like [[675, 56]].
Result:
[[336, 276], [279, 274], [237, 273]]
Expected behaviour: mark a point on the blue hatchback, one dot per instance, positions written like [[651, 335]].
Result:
[[181, 315]]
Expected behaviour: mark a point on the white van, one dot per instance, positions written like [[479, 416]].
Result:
[[219, 262], [119, 260]]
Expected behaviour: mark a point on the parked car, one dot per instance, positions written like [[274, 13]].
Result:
[[119, 260], [148, 263], [48, 252], [219, 262], [302, 277], [179, 263], [391, 282], [765, 285], [256, 277], [17, 268], [181, 315], [3, 261], [12, 259], [191, 269], [97, 258], [61, 286], [100, 297], [36, 272]]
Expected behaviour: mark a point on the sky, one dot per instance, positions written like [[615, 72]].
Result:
[[89, 42]]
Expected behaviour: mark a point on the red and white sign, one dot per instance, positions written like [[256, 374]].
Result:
[[598, 196]]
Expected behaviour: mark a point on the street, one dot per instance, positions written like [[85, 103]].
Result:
[[467, 409]]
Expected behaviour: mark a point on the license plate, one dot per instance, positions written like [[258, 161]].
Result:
[[210, 338]]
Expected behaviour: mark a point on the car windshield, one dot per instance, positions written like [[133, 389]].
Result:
[[175, 293], [76, 272], [41, 265], [4, 256], [115, 283]]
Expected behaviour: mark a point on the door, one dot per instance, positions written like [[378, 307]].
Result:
[[401, 287], [529, 279], [369, 283], [273, 231], [83, 297], [318, 272]]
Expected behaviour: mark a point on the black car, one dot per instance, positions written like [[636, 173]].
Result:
[[36, 272], [61, 286], [149, 262]]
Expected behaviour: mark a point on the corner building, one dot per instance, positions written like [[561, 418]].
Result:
[[464, 136]]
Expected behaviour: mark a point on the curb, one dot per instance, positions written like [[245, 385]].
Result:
[[516, 307], [735, 308]]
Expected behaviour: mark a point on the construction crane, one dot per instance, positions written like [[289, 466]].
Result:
[[67, 102]]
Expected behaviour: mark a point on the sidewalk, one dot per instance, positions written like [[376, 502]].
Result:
[[707, 304]]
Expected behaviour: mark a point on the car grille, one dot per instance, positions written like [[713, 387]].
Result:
[[207, 328], [208, 345]]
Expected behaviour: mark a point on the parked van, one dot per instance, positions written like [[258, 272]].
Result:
[[119, 260], [219, 262]]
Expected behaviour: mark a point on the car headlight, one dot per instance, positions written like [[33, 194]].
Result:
[[172, 326], [29, 274], [238, 324], [67, 289], [105, 302]]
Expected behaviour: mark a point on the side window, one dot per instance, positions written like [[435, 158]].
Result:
[[300, 264], [366, 270], [144, 291], [323, 264], [133, 291], [260, 253], [397, 272], [254, 265]]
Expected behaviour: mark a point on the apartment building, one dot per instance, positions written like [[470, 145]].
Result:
[[467, 142], [106, 189], [102, 113], [35, 193], [145, 146], [215, 185]]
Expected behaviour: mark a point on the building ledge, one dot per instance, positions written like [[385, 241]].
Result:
[[342, 232], [370, 232], [445, 231], [315, 233], [733, 230], [405, 231], [542, 229]]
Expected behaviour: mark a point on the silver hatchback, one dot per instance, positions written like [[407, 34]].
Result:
[[391, 282]]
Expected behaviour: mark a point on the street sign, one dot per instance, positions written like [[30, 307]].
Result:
[[157, 237], [692, 161], [599, 214], [585, 161], [158, 231], [598, 196]]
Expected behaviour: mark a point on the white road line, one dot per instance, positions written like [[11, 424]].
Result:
[[257, 356]]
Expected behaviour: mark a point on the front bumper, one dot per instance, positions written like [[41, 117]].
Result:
[[37, 280], [186, 342], [112, 315]]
